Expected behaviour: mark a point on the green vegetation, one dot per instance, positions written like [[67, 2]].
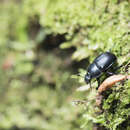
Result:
[[43, 43]]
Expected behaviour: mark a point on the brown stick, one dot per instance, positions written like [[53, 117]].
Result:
[[110, 81]]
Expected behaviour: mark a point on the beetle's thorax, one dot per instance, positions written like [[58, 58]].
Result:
[[94, 71]]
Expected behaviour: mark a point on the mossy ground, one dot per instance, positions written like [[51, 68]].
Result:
[[84, 29]]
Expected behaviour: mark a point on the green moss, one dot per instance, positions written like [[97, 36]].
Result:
[[116, 107], [92, 30]]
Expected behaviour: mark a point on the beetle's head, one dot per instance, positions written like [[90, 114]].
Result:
[[87, 78]]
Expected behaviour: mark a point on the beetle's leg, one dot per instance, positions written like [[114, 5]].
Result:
[[114, 69], [118, 67], [98, 80], [90, 85], [110, 73]]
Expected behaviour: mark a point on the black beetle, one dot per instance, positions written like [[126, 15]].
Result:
[[101, 64]]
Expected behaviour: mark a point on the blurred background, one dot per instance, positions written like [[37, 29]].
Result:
[[43, 43], [36, 89]]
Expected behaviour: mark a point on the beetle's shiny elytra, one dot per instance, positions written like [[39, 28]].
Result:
[[101, 64]]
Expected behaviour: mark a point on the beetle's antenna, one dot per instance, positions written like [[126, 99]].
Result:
[[80, 75]]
